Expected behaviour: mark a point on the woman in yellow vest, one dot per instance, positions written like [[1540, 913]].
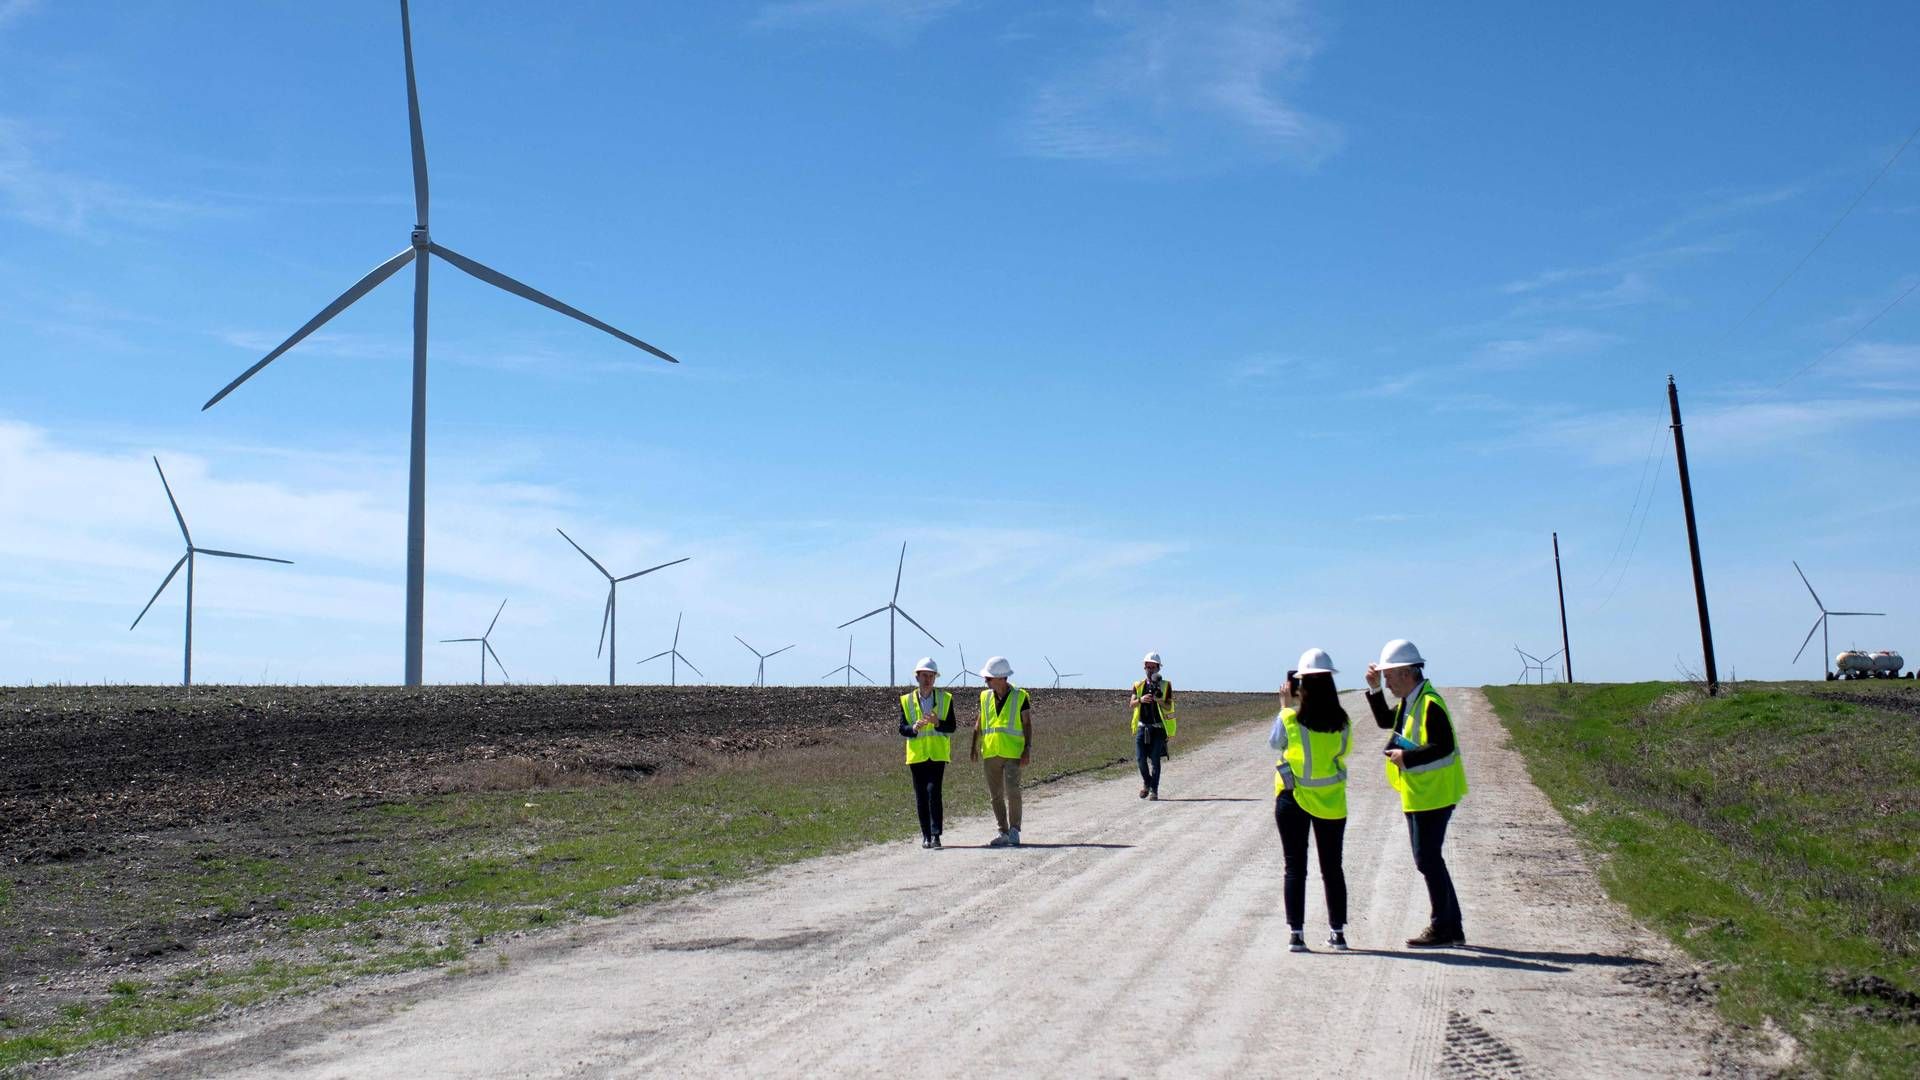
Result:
[[1424, 766], [1312, 734], [926, 722], [1152, 725]]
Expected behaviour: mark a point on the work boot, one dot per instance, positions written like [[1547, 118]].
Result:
[[1296, 942], [1337, 939], [926, 841], [999, 841], [1143, 792], [1435, 938], [1013, 837], [1155, 796], [936, 840]]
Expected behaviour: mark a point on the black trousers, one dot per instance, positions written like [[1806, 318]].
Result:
[[1149, 747], [1329, 836], [926, 794], [1427, 830]]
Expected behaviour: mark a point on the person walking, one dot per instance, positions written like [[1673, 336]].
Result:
[[1153, 724], [1004, 735], [1312, 734], [927, 723], [1424, 766]]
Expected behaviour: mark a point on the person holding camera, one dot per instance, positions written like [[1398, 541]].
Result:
[[1312, 734], [1153, 724], [1424, 766], [927, 723]]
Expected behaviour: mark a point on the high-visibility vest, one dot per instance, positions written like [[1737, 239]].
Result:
[[1314, 767], [1166, 706], [929, 745], [1003, 728], [1437, 783]]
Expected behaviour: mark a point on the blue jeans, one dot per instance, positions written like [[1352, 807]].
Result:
[[1427, 829], [1149, 746]]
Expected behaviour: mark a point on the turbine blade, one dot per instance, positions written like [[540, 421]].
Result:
[[583, 551], [834, 672], [899, 569], [655, 656], [1049, 660], [499, 280], [413, 123], [689, 663], [237, 555], [651, 569], [1809, 585], [488, 645], [605, 617], [360, 288], [858, 672], [777, 652], [743, 641], [1856, 613], [918, 627], [496, 619], [451, 640], [676, 629], [164, 582], [177, 516], [1809, 640], [868, 615]]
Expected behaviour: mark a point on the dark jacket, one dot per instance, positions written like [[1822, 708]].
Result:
[[1439, 728]]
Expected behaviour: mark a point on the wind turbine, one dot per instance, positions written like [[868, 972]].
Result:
[[846, 667], [963, 673], [892, 607], [673, 664], [1531, 663], [1057, 675], [186, 668], [486, 647], [760, 678], [420, 245], [1820, 624], [609, 624]]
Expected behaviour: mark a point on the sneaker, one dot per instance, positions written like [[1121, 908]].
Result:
[[1155, 796], [936, 840], [1013, 837], [1434, 938], [926, 841], [999, 841], [1296, 942], [1143, 793], [1337, 939]]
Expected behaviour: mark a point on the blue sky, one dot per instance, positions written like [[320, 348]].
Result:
[[1220, 329]]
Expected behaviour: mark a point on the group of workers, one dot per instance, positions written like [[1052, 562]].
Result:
[[1312, 733]]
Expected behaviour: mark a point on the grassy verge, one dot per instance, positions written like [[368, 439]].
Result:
[[193, 924], [1771, 832]]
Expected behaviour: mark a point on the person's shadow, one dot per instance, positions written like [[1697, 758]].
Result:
[[1486, 956], [1207, 798], [1026, 844]]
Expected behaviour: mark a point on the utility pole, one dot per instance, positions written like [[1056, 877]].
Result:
[[1693, 539], [1566, 649]]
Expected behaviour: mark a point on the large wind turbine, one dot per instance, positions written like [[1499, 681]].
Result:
[[486, 647], [419, 247], [1058, 674], [186, 667], [1820, 624], [846, 667], [760, 678], [674, 658], [892, 607], [609, 625]]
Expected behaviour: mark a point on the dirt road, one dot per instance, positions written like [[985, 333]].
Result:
[[1128, 938]]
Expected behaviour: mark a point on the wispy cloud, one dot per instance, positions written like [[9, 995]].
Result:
[[14, 9], [1506, 354], [1726, 429], [70, 202], [892, 20], [1615, 283], [1182, 79]]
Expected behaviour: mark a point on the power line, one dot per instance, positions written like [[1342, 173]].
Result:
[[1626, 527], [1646, 513], [1845, 341]]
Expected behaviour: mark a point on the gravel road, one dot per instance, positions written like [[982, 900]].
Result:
[[1128, 938]]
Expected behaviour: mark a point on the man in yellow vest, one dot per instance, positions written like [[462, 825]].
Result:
[[927, 723], [1424, 766], [1004, 736], [1153, 725]]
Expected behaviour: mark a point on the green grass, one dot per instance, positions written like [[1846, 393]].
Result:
[[408, 885], [1770, 832]]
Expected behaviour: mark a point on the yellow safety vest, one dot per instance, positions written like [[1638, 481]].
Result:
[[1002, 727], [1314, 767], [1166, 707], [929, 745], [1437, 783]]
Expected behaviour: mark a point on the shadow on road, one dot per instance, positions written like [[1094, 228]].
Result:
[[1464, 959], [1209, 798], [1024, 844], [1592, 959]]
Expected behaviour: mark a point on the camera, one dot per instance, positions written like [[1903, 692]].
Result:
[[1293, 680]]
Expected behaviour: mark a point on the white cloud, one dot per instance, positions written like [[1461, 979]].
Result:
[[893, 20], [72, 203], [1506, 354], [1736, 429]]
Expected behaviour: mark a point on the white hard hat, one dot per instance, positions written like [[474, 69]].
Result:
[[997, 667], [1152, 658], [1316, 662], [1399, 653], [926, 664]]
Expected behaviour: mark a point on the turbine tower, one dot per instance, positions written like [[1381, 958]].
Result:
[[186, 665], [846, 667], [760, 677], [1057, 674], [963, 673], [1820, 624], [675, 659], [609, 623], [421, 245], [892, 608], [486, 647]]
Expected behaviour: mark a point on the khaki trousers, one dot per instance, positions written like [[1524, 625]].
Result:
[[1003, 784]]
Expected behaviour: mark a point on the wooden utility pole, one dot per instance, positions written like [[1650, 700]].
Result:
[[1693, 539], [1566, 649]]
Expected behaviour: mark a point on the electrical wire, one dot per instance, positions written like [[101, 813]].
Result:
[[1646, 513], [1845, 341], [1626, 527]]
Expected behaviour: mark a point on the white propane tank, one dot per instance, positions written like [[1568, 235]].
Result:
[[1853, 664], [1887, 664]]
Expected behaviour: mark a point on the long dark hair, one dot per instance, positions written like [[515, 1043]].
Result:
[[1320, 705]]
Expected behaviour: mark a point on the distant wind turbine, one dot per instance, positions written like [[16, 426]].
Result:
[[963, 673], [609, 623], [486, 647], [674, 658], [1530, 663], [892, 607], [846, 667], [760, 678], [186, 667], [420, 246], [1820, 624], [1057, 674]]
